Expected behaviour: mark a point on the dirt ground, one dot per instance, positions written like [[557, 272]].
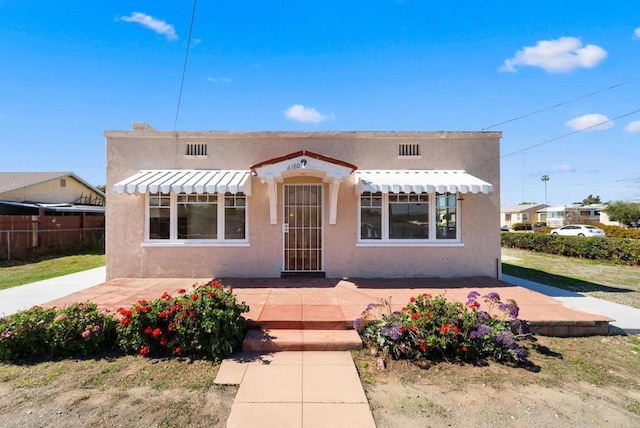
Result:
[[574, 382], [113, 392]]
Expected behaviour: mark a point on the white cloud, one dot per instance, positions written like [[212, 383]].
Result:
[[592, 122], [633, 127], [556, 56], [304, 114], [562, 168], [636, 34], [157, 25], [219, 79]]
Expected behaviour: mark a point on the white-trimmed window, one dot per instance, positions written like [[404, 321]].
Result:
[[197, 218], [416, 218]]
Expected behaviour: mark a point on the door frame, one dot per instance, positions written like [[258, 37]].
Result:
[[286, 229]]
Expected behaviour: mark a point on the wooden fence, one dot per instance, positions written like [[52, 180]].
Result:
[[22, 236]]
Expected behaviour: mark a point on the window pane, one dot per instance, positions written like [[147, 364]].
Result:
[[446, 216], [234, 217], [370, 223], [159, 216], [158, 223], [408, 220], [234, 227], [198, 219]]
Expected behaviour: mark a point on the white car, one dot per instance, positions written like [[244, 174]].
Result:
[[579, 230]]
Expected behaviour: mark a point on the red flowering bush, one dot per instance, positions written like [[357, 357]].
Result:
[[205, 323], [430, 327]]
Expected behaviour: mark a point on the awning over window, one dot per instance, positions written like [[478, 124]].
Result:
[[419, 181], [186, 181]]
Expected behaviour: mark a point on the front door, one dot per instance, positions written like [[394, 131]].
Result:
[[302, 228]]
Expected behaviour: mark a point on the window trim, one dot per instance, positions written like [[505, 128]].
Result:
[[173, 225], [385, 241]]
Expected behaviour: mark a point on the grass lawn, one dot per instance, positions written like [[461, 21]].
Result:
[[607, 281], [18, 274]]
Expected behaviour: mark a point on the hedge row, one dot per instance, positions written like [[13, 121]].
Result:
[[616, 250]]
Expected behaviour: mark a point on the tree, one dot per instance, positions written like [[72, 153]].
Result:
[[590, 200], [626, 213]]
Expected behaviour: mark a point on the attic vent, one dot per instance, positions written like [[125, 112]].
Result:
[[63, 182], [196, 150], [405, 150]]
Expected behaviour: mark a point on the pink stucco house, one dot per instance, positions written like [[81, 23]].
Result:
[[271, 204]]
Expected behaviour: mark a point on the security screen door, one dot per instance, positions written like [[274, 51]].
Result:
[[302, 228]]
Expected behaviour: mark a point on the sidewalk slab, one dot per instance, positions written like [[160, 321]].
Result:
[[22, 297], [296, 389]]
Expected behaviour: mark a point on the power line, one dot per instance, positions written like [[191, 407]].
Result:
[[595, 182], [571, 133], [562, 103], [184, 68]]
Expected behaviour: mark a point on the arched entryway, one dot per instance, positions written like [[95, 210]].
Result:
[[302, 178]]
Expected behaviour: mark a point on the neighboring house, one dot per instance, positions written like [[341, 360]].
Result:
[[47, 212], [24, 193], [271, 204], [524, 213], [558, 216]]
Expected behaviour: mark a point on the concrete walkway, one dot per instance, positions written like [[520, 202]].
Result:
[[296, 389], [626, 319], [25, 296]]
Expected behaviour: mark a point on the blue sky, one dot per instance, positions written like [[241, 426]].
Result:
[[72, 69]]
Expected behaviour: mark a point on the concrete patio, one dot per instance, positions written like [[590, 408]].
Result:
[[324, 304]]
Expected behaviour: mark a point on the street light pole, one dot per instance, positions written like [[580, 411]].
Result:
[[545, 178]]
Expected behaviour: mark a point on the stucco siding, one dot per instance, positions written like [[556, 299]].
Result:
[[128, 255]]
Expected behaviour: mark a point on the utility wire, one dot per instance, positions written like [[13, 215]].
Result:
[[571, 133], [184, 68], [562, 103], [596, 182]]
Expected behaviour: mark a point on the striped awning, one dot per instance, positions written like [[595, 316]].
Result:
[[419, 181], [186, 181]]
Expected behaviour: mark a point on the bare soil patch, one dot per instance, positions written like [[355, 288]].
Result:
[[577, 382], [113, 392], [592, 381]]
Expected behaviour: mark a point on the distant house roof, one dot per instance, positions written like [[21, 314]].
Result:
[[573, 206], [10, 181], [521, 208], [34, 208]]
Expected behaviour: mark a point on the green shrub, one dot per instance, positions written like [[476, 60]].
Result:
[[621, 232], [80, 329], [207, 322], [430, 327], [77, 330], [622, 251]]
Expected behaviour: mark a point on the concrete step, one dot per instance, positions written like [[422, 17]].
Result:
[[300, 317], [273, 340], [309, 324]]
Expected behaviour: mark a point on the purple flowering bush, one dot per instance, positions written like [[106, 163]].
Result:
[[430, 327], [76, 330]]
